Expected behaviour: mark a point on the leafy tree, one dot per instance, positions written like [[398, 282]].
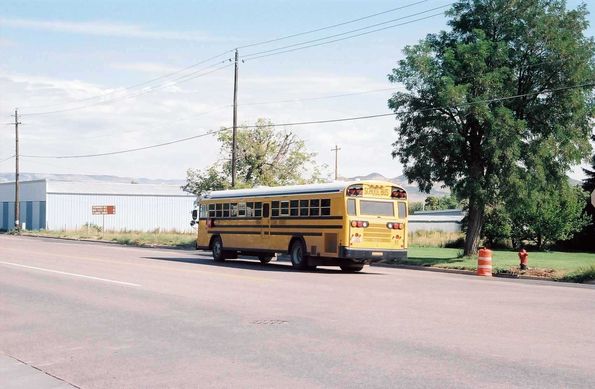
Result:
[[497, 224], [434, 203], [415, 206], [264, 157], [545, 213], [431, 203], [589, 186], [458, 120]]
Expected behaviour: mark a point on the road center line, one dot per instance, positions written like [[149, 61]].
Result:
[[69, 274]]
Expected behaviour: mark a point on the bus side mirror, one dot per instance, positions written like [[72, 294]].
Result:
[[194, 215], [192, 223]]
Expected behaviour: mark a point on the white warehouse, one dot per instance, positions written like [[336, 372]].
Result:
[[57, 205]]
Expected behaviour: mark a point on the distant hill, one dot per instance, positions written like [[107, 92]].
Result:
[[6, 177], [414, 193]]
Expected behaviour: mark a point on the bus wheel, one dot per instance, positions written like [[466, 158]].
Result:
[[299, 259], [217, 247], [351, 268], [265, 258]]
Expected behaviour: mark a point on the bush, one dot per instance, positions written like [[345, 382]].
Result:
[[583, 274]]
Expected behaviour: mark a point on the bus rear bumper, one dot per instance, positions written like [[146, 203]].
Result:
[[371, 255]]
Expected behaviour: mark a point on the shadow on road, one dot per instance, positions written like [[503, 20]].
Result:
[[249, 264]]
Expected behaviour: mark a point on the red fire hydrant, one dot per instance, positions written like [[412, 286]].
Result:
[[524, 257]]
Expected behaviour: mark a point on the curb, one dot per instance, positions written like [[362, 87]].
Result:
[[468, 272], [146, 246]]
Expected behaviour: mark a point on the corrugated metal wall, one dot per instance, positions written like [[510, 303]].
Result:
[[32, 215], [133, 212], [32, 205]]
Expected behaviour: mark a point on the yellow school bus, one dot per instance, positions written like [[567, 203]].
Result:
[[346, 224]]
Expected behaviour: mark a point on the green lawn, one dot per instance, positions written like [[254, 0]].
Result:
[[551, 264]]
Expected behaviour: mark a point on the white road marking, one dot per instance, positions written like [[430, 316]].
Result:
[[69, 274]]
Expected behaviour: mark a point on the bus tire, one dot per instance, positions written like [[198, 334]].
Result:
[[351, 268], [265, 258], [298, 255], [217, 249]]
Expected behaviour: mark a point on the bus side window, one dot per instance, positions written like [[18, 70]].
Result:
[[351, 207], [304, 208], [258, 209], [293, 208], [325, 207], [275, 209], [284, 208], [314, 207]]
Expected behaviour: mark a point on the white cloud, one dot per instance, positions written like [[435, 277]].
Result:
[[146, 67], [188, 109], [7, 43], [104, 29]]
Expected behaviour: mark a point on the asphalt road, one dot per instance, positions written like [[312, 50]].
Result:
[[98, 316]]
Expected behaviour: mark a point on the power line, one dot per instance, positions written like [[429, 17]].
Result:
[[331, 26], [167, 75], [318, 98], [127, 150], [176, 81], [344, 38], [336, 120], [7, 159], [348, 32]]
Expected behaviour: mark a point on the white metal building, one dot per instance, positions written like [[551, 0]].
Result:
[[447, 220], [55, 205]]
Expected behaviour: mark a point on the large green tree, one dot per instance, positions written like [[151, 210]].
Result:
[[265, 156], [504, 94]]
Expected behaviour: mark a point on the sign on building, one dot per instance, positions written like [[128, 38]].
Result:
[[103, 209]]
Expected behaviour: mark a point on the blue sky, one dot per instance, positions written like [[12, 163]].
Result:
[[58, 52]]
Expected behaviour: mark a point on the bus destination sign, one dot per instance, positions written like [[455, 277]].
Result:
[[376, 191]]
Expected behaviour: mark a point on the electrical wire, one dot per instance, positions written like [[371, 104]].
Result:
[[7, 159], [167, 75], [247, 56], [176, 81], [342, 39], [336, 120], [315, 98], [331, 26]]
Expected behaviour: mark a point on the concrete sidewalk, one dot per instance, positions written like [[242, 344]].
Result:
[[15, 374]]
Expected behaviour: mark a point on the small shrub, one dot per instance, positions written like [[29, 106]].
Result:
[[581, 275], [92, 226]]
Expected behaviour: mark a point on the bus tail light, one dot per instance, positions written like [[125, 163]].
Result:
[[359, 224], [210, 223], [395, 226]]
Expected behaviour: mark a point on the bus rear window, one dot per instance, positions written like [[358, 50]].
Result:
[[351, 207], [379, 208], [402, 210]]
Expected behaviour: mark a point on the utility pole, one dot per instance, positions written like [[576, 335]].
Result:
[[17, 222], [336, 150], [235, 122]]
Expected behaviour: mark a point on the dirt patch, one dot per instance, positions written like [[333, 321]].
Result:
[[534, 272]]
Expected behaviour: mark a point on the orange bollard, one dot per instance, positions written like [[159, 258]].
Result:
[[524, 258], [484, 263]]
